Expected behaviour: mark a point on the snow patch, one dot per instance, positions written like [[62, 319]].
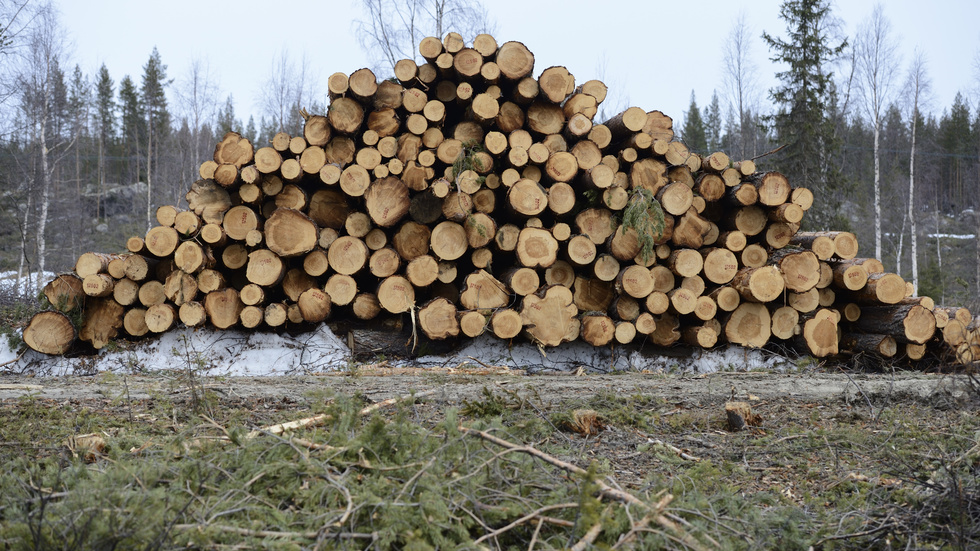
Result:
[[240, 353]]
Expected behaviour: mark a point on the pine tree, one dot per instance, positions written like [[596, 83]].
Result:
[[133, 125], [804, 101], [251, 131], [154, 101], [693, 132], [105, 128]]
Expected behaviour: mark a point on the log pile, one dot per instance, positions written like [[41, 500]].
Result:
[[472, 197]]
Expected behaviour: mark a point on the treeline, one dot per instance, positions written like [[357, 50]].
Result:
[[85, 159]]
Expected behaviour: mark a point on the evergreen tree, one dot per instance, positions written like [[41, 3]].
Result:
[[226, 118], [133, 125], [693, 132], [78, 102], [804, 101], [154, 101], [251, 131], [105, 131], [956, 145], [712, 124]]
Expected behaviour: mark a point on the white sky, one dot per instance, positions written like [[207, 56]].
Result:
[[655, 52]]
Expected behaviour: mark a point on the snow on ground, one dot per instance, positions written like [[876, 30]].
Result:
[[241, 353]]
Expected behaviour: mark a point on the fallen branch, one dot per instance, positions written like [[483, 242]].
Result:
[[325, 417], [530, 516], [272, 534], [588, 539], [681, 453], [604, 489]]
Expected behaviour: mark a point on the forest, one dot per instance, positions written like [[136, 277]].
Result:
[[86, 159]]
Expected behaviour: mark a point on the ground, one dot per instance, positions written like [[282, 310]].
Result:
[[839, 459]]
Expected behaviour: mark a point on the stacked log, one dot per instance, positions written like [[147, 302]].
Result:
[[475, 198]]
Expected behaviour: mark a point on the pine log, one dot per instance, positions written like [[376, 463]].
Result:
[[314, 305], [134, 322], [763, 284], [785, 321], [411, 240], [550, 316], [422, 271], [252, 294], [884, 288], [800, 269], [597, 329], [749, 325], [754, 256], [180, 287], [152, 292], [365, 306], [50, 332], [882, 345], [396, 294], [685, 262], [64, 293], [726, 297], [690, 230], [341, 288], [448, 240], [666, 330], [265, 268], [347, 255], [102, 319], [473, 323], [437, 319], [819, 334], [774, 189], [720, 265], [160, 318], [908, 323]]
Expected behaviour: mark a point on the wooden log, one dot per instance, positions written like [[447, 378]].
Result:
[[396, 294], [596, 329], [514, 60], [720, 265], [412, 239], [636, 281], [882, 345], [341, 288], [800, 269], [483, 291], [448, 240], [50, 332], [160, 318], [101, 321], [265, 268], [726, 297], [592, 295], [754, 256], [438, 319], [748, 325], [549, 316], [762, 284], [180, 287], [64, 293], [884, 288], [785, 322], [906, 323], [314, 305], [134, 322], [233, 149], [536, 248], [819, 334], [348, 255]]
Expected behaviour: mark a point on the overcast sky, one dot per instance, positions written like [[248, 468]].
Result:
[[651, 53]]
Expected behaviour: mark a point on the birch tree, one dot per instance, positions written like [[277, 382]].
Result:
[[878, 66], [741, 80], [918, 87], [37, 82], [392, 29]]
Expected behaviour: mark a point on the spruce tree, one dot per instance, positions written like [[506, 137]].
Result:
[[693, 132], [804, 99], [133, 127], [713, 124]]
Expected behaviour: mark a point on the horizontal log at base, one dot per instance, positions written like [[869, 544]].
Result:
[[50, 332], [909, 323]]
